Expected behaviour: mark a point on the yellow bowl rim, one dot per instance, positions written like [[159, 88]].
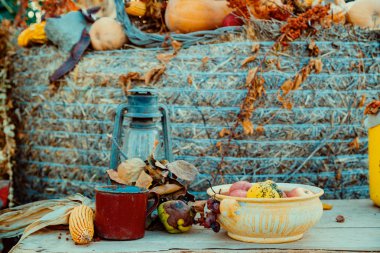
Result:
[[316, 190]]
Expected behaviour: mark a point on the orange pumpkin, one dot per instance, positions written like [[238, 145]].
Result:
[[184, 16], [365, 13]]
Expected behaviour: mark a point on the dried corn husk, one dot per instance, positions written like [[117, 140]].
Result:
[[32, 217]]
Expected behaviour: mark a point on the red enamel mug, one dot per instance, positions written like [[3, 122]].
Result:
[[121, 212]]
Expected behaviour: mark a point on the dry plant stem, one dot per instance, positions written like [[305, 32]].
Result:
[[239, 117]]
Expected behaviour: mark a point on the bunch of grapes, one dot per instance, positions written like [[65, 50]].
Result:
[[208, 219]]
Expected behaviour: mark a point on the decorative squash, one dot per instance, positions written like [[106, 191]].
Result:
[[365, 13], [184, 16], [33, 34], [136, 8], [267, 189], [107, 34], [81, 224]]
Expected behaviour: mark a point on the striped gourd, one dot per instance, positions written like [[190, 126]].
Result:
[[81, 224], [136, 8]]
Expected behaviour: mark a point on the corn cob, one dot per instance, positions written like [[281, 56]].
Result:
[[81, 224]]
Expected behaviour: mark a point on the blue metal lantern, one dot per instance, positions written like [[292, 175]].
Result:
[[139, 139]]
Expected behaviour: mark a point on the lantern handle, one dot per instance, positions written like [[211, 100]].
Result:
[[166, 132], [119, 117]]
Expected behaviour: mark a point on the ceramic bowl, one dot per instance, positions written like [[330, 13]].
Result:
[[268, 220]]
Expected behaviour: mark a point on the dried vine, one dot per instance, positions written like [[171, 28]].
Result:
[[7, 141], [255, 83]]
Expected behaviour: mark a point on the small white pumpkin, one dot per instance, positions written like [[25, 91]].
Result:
[[365, 13], [107, 34]]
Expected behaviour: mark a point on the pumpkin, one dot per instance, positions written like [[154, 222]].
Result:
[[33, 34], [184, 16], [136, 8], [107, 34], [267, 189], [365, 13], [81, 224]]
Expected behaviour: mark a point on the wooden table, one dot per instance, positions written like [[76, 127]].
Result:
[[359, 232]]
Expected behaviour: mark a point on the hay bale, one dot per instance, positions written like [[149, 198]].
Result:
[[63, 131]]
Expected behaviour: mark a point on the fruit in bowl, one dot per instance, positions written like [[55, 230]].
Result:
[[268, 216]]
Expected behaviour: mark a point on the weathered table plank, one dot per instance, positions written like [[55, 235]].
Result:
[[360, 232]]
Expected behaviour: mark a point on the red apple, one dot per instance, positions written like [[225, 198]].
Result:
[[232, 20], [241, 185], [238, 193], [298, 192]]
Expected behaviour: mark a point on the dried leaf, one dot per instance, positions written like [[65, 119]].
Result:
[[313, 48], [189, 80], [224, 132], [297, 82], [166, 189], [287, 86], [114, 176], [251, 75], [278, 65], [156, 173], [372, 108], [144, 180], [176, 46], [183, 170], [130, 170], [247, 127], [260, 129], [255, 48], [165, 58], [205, 60], [154, 74], [125, 81], [287, 105], [318, 65], [355, 143], [248, 60], [362, 101]]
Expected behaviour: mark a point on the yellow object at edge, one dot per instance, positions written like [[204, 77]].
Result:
[[374, 164]]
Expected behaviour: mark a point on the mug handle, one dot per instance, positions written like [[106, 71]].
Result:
[[156, 200]]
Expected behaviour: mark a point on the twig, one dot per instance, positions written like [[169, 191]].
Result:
[[308, 158]]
